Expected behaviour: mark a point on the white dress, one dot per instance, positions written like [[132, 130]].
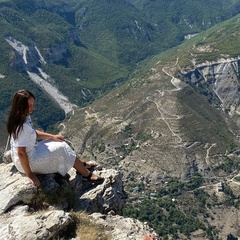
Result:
[[46, 156]]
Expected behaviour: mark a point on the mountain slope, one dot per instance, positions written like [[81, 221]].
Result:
[[185, 111], [48, 44], [89, 47], [176, 121], [130, 30]]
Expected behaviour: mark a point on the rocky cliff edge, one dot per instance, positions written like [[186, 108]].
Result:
[[28, 212]]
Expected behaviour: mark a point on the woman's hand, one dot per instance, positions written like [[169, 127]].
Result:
[[58, 138], [33, 179]]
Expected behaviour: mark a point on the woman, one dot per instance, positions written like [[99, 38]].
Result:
[[48, 156]]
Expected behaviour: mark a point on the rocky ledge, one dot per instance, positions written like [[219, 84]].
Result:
[[28, 212]]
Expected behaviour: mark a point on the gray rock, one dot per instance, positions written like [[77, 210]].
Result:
[[222, 81], [7, 157], [19, 224], [14, 188], [19, 220], [105, 197], [123, 228]]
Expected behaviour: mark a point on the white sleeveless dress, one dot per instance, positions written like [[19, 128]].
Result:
[[46, 156]]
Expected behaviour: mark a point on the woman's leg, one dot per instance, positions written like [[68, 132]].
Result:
[[79, 166]]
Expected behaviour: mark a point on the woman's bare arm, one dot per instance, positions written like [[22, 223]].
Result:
[[42, 135], [23, 158]]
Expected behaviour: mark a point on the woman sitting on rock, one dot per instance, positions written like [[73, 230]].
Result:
[[33, 157]]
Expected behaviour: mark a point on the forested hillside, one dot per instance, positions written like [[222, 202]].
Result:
[[88, 47]]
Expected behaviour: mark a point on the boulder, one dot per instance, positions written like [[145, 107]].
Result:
[[22, 225], [103, 198], [14, 188]]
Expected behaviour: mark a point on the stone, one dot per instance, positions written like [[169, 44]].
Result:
[[7, 157], [20, 224]]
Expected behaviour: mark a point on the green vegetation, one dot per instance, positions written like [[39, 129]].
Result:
[[93, 46], [79, 73], [176, 207], [46, 113], [237, 178], [100, 146], [165, 217], [222, 40], [156, 25], [143, 137], [174, 210], [228, 165]]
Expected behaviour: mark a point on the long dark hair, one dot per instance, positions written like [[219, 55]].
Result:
[[18, 113]]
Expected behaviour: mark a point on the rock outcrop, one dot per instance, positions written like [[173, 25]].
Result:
[[133, 229], [219, 81], [20, 203], [19, 224]]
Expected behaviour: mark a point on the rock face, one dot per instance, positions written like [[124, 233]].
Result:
[[19, 200], [104, 199], [220, 81]]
